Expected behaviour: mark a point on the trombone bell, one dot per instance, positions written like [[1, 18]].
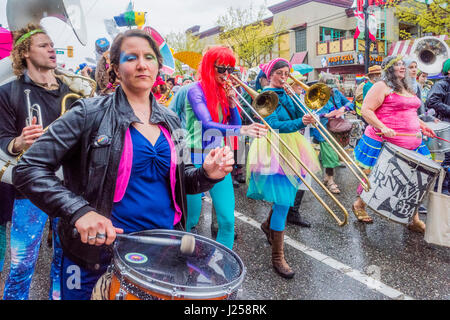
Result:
[[266, 103], [317, 96]]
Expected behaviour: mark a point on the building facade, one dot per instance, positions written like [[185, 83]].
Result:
[[321, 33]]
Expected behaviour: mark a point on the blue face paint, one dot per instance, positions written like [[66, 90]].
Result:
[[126, 57]]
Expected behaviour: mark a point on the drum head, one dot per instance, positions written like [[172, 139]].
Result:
[[211, 271], [438, 126], [413, 157]]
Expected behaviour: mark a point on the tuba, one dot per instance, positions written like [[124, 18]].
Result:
[[430, 53], [22, 12], [19, 14]]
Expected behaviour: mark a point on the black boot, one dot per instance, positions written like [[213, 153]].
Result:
[[240, 173], [294, 215]]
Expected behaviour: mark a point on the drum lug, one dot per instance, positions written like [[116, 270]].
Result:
[[121, 295]]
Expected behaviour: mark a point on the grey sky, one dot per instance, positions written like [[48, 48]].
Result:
[[164, 15]]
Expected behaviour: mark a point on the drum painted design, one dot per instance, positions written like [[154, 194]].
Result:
[[442, 130], [153, 272], [400, 180]]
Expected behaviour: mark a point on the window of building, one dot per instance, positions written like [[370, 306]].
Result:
[[300, 40], [330, 34]]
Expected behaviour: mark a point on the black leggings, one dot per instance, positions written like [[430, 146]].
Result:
[[329, 171]]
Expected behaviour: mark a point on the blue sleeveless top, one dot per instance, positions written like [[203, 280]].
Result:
[[147, 203]]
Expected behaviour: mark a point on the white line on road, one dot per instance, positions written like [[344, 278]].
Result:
[[357, 275]]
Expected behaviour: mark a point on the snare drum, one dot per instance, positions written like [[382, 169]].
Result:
[[400, 180], [155, 272], [442, 130]]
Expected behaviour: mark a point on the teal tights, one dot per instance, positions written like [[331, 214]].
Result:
[[279, 215], [222, 195]]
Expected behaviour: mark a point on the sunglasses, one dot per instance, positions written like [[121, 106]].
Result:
[[222, 69]]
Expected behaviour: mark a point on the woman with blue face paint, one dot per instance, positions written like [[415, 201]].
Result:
[[122, 167]]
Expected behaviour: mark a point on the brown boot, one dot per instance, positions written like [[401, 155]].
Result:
[[280, 265], [265, 227]]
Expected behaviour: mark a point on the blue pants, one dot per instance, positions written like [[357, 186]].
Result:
[[446, 165], [222, 195], [77, 282], [27, 226]]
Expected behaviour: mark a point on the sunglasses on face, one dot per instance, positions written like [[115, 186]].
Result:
[[222, 69]]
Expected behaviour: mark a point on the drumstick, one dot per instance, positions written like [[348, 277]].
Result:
[[441, 139], [418, 135], [187, 242]]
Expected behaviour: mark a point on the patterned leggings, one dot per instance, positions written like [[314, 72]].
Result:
[[2, 245], [27, 227]]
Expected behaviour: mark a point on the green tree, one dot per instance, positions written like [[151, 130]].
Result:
[[245, 31], [433, 16]]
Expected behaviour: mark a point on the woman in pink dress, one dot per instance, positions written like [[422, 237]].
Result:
[[390, 108]]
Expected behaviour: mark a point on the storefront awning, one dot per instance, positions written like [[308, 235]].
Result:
[[404, 47], [346, 69], [298, 57]]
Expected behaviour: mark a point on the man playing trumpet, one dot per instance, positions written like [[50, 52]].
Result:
[[36, 89]]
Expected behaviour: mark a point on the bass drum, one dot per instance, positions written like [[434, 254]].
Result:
[[400, 181]]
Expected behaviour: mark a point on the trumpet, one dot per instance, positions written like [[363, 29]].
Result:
[[316, 97], [263, 105], [33, 110]]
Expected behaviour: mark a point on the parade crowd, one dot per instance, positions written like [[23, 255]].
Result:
[[127, 169]]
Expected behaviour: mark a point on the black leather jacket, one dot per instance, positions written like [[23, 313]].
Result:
[[90, 168], [439, 99]]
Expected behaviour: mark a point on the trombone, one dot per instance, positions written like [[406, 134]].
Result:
[[266, 103], [316, 97]]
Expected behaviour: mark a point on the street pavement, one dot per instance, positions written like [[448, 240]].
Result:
[[381, 261]]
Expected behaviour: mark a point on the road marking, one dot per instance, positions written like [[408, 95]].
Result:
[[357, 275]]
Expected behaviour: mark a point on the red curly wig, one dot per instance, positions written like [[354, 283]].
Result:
[[214, 92]]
